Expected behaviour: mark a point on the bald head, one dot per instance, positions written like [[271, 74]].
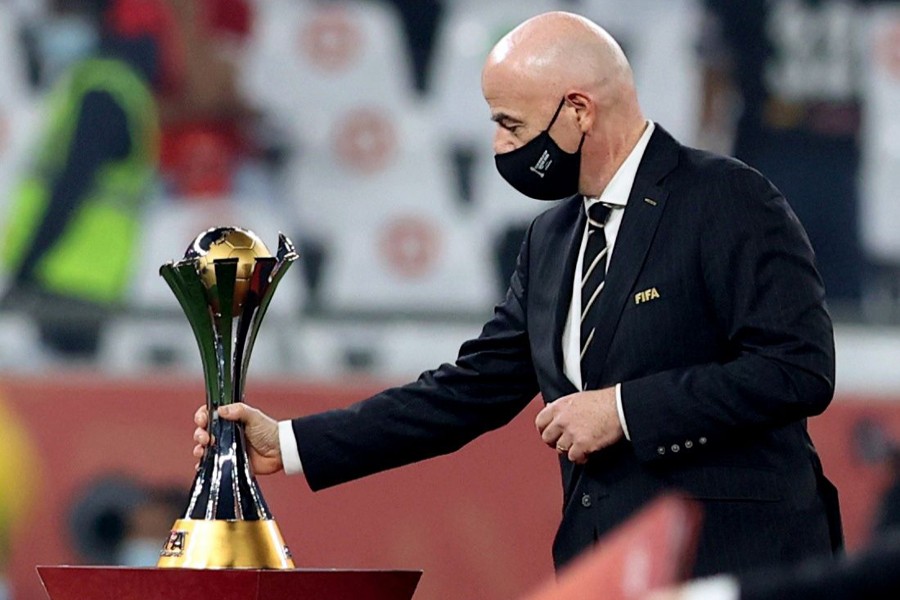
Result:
[[558, 50], [560, 55]]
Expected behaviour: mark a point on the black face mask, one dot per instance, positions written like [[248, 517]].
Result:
[[541, 169]]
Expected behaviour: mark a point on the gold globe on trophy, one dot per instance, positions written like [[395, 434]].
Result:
[[224, 284], [241, 244]]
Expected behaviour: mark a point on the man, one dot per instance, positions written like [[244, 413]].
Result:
[[698, 356]]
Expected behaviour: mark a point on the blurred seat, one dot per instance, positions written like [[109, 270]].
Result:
[[881, 142], [18, 108], [879, 209], [309, 59], [132, 346], [13, 80], [659, 39], [378, 197], [21, 349], [407, 349], [138, 345], [398, 350], [470, 30]]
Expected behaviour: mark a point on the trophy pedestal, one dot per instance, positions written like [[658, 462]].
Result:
[[123, 583]]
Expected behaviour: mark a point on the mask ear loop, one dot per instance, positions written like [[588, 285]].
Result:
[[553, 120], [556, 114]]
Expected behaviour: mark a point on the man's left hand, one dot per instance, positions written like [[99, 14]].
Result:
[[581, 423]]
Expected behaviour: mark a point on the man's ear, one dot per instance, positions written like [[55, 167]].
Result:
[[585, 110]]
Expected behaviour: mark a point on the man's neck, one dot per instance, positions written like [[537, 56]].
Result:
[[616, 155]]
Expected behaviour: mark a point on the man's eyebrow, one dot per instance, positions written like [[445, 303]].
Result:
[[502, 116]]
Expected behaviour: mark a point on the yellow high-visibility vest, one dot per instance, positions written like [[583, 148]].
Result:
[[94, 257]]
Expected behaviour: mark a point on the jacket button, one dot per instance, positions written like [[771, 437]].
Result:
[[586, 500], [675, 447], [689, 444], [702, 440], [661, 450]]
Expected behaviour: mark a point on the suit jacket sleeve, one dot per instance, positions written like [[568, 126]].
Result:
[[767, 299], [492, 380]]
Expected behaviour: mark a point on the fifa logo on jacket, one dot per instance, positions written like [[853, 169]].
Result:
[[646, 296]]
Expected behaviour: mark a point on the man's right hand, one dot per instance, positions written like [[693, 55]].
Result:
[[260, 431]]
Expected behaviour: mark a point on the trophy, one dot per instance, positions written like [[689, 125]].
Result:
[[224, 285]]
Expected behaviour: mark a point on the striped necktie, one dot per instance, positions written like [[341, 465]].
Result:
[[593, 274]]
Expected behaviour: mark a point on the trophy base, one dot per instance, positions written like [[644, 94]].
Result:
[[221, 544]]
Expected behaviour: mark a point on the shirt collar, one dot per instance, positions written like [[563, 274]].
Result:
[[619, 187]]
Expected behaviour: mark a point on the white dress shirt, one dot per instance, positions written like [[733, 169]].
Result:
[[290, 454], [615, 194]]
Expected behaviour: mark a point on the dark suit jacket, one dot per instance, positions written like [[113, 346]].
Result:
[[718, 373]]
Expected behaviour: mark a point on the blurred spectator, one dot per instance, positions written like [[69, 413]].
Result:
[[149, 524], [72, 231], [785, 75], [116, 519], [875, 445], [888, 516], [206, 122]]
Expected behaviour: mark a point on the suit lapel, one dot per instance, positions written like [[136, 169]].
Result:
[[571, 233], [642, 214]]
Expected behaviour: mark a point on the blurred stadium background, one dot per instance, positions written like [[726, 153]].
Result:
[[357, 128]]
